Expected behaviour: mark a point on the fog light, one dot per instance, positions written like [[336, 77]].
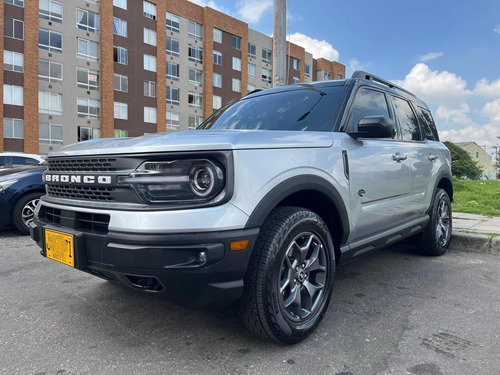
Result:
[[202, 257], [239, 245]]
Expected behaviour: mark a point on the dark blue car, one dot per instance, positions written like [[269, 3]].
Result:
[[20, 191]]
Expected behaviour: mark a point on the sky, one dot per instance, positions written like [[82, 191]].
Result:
[[446, 52]]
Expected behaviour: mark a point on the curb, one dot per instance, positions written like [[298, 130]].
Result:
[[475, 243]]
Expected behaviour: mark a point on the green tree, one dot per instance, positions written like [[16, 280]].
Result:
[[462, 165]]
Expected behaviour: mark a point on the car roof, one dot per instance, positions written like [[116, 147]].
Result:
[[22, 154]]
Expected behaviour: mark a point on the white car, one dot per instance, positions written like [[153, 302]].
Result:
[[18, 160]]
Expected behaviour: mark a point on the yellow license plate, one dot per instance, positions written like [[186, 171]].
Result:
[[59, 246]]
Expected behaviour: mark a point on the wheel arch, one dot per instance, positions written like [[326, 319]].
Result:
[[310, 192], [445, 182]]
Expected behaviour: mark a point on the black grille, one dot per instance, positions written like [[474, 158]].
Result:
[[93, 193], [83, 165], [81, 221]]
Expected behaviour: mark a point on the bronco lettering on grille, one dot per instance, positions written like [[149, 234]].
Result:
[[77, 179]]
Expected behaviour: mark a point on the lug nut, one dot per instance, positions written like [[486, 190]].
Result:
[[303, 265], [295, 281]]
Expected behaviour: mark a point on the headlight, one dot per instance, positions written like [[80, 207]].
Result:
[[4, 185], [177, 182]]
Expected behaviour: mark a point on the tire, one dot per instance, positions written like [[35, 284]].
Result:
[[291, 239], [24, 210], [436, 237]]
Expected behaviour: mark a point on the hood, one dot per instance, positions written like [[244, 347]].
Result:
[[17, 173], [199, 140]]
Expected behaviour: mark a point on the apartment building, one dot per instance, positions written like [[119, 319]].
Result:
[[84, 69]]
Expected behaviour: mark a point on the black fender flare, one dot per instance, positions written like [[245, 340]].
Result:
[[443, 174], [294, 185]]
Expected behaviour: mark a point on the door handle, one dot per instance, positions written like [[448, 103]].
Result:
[[432, 157], [398, 157]]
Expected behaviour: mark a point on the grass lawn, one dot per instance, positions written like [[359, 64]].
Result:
[[476, 197]]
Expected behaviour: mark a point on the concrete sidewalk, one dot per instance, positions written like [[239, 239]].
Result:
[[476, 233]]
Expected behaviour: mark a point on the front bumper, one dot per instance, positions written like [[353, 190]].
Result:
[[195, 269]]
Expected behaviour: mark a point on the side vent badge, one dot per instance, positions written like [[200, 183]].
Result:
[[361, 192]]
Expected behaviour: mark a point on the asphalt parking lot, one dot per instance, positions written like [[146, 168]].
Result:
[[393, 312]]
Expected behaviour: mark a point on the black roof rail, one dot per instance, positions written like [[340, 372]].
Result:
[[252, 92], [374, 78]]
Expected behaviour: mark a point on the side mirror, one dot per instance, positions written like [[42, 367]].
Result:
[[375, 127]]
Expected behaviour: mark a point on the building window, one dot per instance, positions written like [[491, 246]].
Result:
[[88, 108], [217, 80], [120, 55], [266, 75], [195, 30], [266, 55], [86, 133], [251, 87], [296, 64], [50, 134], [49, 40], [149, 9], [195, 77], [120, 133], [19, 3], [339, 76], [307, 71], [477, 155], [150, 114], [50, 10], [87, 49], [217, 35], [150, 63], [50, 103], [121, 111], [86, 20], [13, 61], [150, 36], [236, 42], [13, 28], [87, 79], [173, 22], [252, 51], [13, 128], [120, 82], [172, 95], [327, 76], [13, 95], [195, 54], [217, 102], [120, 4], [217, 58], [172, 46], [172, 71], [119, 27], [173, 120], [237, 63], [296, 80], [194, 121], [150, 89], [50, 71], [195, 99], [236, 85], [252, 71]]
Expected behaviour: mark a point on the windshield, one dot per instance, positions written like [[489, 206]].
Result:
[[306, 109]]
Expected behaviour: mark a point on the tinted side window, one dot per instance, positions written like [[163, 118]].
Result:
[[21, 162], [367, 103], [2, 161], [428, 124], [410, 131]]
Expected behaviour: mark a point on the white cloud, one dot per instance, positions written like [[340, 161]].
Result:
[[439, 88], [497, 29], [492, 110], [487, 89], [318, 48], [455, 115], [431, 56], [483, 135], [251, 11], [354, 64], [211, 4]]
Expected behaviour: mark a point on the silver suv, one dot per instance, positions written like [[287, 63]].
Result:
[[259, 205]]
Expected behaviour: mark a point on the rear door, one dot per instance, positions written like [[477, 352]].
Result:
[[379, 172]]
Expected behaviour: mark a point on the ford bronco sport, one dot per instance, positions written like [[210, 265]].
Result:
[[259, 205]]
